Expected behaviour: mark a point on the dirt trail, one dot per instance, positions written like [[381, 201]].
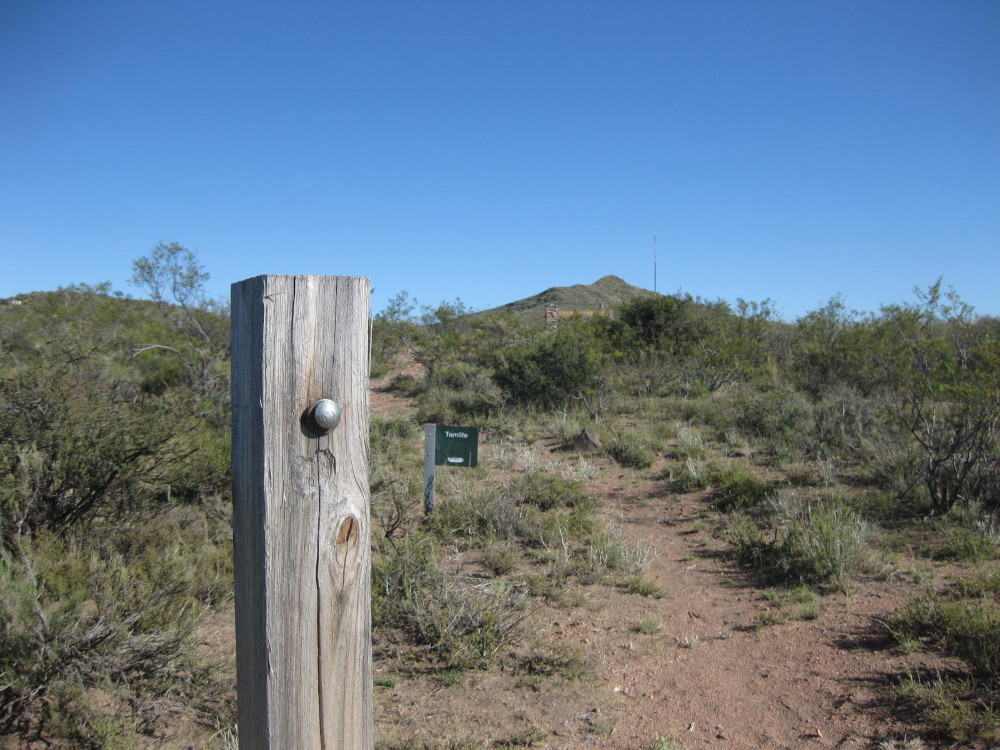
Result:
[[717, 676]]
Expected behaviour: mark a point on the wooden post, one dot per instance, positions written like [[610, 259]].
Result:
[[301, 514]]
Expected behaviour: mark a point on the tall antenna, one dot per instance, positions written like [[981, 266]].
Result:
[[654, 263]]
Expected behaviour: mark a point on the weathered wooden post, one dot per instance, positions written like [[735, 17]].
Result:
[[301, 512]]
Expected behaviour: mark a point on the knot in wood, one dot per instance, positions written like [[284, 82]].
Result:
[[348, 532]]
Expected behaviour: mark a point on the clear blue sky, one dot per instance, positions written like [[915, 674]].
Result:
[[490, 150]]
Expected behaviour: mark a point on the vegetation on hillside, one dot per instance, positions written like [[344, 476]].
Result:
[[826, 448], [114, 534]]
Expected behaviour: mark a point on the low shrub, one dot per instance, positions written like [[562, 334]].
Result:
[[546, 492], [113, 611], [782, 419], [610, 551], [490, 514], [827, 542], [736, 487], [965, 544], [464, 623], [500, 559], [405, 385], [566, 660], [821, 542], [968, 629], [961, 708], [630, 450]]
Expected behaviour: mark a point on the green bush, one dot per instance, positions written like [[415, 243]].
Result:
[[496, 513], [822, 542], [965, 544], [455, 393], [782, 419], [844, 419], [111, 610], [406, 385], [736, 487], [664, 322], [826, 543], [552, 370], [463, 623], [389, 437], [969, 629], [547, 492], [630, 450]]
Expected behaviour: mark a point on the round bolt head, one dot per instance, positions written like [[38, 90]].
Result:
[[326, 414]]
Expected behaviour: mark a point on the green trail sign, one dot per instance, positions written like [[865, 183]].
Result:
[[447, 446], [456, 446]]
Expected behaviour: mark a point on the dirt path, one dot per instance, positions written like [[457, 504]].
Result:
[[719, 674]]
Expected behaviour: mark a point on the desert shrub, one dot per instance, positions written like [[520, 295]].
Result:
[[546, 660], [500, 559], [750, 544], [826, 542], [782, 419], [609, 550], [72, 451], [966, 544], [456, 392], [546, 492], [981, 584], [396, 573], [552, 370], [955, 709], [821, 542], [494, 513], [844, 419], [389, 436], [113, 611], [406, 385], [395, 481], [689, 443], [651, 372], [689, 477], [630, 450], [940, 368], [396, 493], [662, 322], [463, 623], [394, 332], [639, 584], [969, 629], [736, 487], [718, 411]]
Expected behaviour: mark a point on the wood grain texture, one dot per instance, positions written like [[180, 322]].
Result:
[[301, 519]]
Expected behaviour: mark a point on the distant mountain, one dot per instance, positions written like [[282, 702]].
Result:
[[604, 294]]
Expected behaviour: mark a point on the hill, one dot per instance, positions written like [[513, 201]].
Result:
[[606, 293]]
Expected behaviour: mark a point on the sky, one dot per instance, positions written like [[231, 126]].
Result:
[[789, 150]]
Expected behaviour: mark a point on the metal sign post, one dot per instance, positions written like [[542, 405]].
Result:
[[430, 438]]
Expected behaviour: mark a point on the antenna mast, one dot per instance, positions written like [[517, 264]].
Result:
[[654, 263]]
